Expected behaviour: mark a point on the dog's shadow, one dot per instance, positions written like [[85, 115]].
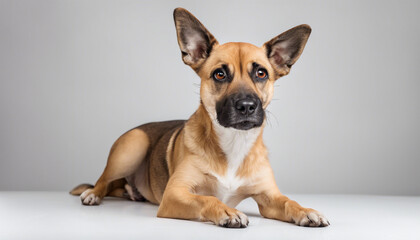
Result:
[[149, 207], [252, 214]]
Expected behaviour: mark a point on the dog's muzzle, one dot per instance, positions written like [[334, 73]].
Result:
[[240, 111]]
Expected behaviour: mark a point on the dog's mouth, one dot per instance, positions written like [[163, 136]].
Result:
[[245, 125]]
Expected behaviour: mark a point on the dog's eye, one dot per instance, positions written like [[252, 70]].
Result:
[[261, 74], [219, 75]]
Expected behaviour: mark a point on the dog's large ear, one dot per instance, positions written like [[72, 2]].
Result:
[[195, 41], [285, 49]]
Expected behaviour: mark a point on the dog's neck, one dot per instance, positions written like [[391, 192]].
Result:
[[235, 143]]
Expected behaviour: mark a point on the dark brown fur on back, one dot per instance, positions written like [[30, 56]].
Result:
[[159, 134]]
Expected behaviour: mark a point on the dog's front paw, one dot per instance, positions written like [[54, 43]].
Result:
[[88, 197], [232, 218], [311, 218]]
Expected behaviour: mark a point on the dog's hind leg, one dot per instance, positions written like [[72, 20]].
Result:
[[124, 159]]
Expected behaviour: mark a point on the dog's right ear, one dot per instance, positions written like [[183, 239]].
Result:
[[285, 49], [194, 40]]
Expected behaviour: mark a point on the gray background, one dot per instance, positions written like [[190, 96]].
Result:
[[77, 74]]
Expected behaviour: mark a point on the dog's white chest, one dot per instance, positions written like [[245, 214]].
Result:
[[235, 144], [227, 188]]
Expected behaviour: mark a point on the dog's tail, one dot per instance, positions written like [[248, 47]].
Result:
[[80, 188]]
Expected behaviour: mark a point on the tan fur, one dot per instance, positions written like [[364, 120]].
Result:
[[79, 189], [179, 165], [124, 158]]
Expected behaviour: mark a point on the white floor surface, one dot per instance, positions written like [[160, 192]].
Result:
[[58, 215]]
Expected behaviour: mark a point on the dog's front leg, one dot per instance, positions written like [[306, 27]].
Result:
[[180, 202], [280, 207], [272, 204]]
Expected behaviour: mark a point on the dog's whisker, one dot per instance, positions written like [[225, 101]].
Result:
[[269, 121], [275, 118]]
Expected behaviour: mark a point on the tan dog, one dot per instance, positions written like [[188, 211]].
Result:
[[203, 167]]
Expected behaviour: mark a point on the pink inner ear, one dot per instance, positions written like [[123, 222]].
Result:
[[199, 51], [280, 53], [195, 50], [276, 56]]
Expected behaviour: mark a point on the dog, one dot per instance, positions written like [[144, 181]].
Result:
[[201, 168]]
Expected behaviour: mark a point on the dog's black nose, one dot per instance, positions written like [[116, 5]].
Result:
[[246, 106]]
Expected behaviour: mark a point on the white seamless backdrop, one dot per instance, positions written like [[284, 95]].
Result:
[[77, 74]]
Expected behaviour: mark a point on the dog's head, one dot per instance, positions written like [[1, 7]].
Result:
[[237, 79]]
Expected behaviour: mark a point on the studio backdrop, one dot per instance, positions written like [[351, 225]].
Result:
[[75, 75]]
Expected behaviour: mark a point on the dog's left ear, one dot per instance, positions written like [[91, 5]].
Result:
[[285, 49], [194, 40]]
